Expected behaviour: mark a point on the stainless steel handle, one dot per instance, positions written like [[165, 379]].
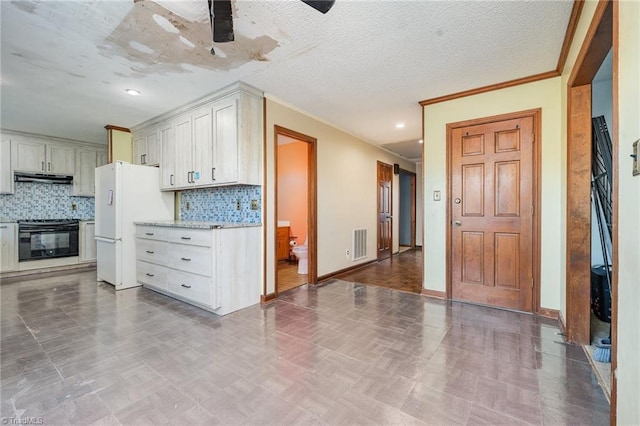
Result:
[[3, 227], [185, 238], [49, 166], [42, 166], [149, 275], [213, 173], [186, 259], [457, 223], [171, 180], [143, 159], [149, 251], [190, 177], [185, 285], [148, 233]]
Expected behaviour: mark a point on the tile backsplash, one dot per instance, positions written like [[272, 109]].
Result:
[[220, 204], [32, 200]]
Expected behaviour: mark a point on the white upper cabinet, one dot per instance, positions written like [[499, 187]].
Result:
[[146, 147], [60, 159], [87, 159], [167, 157], [39, 157], [219, 142], [6, 179]]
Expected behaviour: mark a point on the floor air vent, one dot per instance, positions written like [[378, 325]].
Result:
[[359, 244]]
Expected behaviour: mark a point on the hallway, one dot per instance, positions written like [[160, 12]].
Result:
[[400, 272]]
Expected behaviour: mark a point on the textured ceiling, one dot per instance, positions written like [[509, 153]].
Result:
[[362, 67]]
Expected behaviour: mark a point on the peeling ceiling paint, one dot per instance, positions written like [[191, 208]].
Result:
[[362, 67]]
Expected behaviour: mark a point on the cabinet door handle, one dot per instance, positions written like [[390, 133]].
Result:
[[213, 173], [186, 259], [149, 251], [185, 285], [185, 238], [49, 166], [42, 166], [3, 227], [189, 177], [148, 233], [149, 275], [171, 180]]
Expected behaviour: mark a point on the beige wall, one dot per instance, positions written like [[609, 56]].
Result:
[[346, 188], [121, 146], [542, 94], [419, 205], [628, 217]]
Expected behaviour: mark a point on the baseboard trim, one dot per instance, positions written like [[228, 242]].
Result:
[[434, 294], [12, 276], [268, 298], [549, 313], [345, 270]]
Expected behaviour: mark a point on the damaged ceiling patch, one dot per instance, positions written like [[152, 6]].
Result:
[[187, 42], [140, 47], [165, 24]]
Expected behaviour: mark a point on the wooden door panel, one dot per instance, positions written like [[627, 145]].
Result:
[[472, 145], [473, 257], [507, 189], [492, 223], [473, 190], [507, 256]]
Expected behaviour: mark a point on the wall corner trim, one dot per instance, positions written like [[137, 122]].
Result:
[[265, 299]]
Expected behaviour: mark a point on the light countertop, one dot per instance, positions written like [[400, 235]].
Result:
[[197, 225]]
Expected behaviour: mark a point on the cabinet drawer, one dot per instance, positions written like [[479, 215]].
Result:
[[151, 251], [151, 232], [192, 259], [196, 237], [150, 274], [192, 287]]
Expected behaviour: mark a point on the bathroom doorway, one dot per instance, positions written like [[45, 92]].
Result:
[[295, 211], [407, 213]]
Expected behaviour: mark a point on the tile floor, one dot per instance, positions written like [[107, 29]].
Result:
[[77, 352]]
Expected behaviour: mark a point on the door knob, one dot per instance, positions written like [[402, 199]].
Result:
[[457, 223], [457, 201]]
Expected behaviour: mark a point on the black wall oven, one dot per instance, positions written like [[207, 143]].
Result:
[[46, 239]]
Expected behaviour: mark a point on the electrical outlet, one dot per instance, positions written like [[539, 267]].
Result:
[[254, 204], [187, 205], [347, 253], [74, 206], [238, 205]]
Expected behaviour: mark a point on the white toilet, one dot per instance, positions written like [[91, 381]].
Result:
[[302, 253]]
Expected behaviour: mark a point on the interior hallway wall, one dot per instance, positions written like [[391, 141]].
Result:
[[292, 187], [346, 187]]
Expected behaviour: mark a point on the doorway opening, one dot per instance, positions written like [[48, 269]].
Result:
[[384, 210], [295, 212], [582, 83], [407, 213]]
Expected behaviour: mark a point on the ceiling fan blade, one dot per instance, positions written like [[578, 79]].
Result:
[[320, 5], [221, 20]]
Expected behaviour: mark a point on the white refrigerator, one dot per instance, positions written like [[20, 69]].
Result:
[[125, 193]]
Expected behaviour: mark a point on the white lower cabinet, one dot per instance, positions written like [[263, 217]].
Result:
[[215, 269], [8, 247]]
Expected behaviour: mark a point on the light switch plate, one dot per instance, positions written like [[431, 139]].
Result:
[[636, 154], [436, 196]]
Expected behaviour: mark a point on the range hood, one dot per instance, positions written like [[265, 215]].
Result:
[[42, 178]]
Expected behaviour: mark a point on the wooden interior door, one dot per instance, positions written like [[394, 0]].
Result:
[[492, 196], [385, 173]]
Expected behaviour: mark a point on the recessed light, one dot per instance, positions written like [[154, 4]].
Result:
[[420, 141], [399, 125], [133, 92]]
